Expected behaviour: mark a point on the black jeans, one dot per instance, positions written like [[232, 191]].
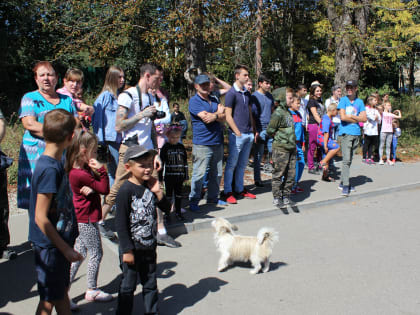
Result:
[[145, 267], [4, 211], [173, 186]]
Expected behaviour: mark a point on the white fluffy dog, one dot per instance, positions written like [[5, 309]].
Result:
[[243, 248]]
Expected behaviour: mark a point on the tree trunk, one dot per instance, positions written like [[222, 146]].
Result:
[[195, 51], [258, 62], [411, 78], [349, 25]]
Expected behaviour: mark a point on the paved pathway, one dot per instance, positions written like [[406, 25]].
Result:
[[356, 255]]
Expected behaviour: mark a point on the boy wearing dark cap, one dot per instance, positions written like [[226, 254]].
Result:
[[352, 112], [136, 226]]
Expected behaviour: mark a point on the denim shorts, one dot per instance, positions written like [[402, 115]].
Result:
[[53, 273]]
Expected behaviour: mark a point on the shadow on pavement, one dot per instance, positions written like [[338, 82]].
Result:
[[18, 276], [306, 185], [173, 299], [360, 180], [164, 270]]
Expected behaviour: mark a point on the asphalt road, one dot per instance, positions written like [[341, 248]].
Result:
[[360, 257]]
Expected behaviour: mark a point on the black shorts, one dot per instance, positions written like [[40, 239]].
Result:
[[53, 273]]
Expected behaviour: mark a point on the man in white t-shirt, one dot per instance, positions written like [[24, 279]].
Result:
[[135, 120]]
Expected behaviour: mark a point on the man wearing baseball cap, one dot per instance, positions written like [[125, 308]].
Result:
[[352, 112], [206, 114]]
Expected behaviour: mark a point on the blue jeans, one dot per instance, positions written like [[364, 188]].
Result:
[[259, 153], [112, 165], [300, 163], [204, 156], [394, 146], [239, 148], [184, 125]]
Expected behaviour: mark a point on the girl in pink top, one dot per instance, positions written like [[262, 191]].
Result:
[[386, 132], [88, 179]]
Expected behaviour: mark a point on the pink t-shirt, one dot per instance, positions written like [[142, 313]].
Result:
[[387, 122]]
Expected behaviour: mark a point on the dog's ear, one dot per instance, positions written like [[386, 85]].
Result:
[[234, 227]]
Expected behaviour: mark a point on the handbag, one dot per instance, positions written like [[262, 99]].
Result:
[[103, 154], [5, 161]]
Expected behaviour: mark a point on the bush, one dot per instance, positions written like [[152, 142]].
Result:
[[11, 145]]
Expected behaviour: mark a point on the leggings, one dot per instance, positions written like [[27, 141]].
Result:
[[173, 186], [369, 143], [386, 138], [88, 241], [313, 146]]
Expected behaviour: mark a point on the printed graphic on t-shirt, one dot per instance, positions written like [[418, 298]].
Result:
[[351, 110], [141, 218], [63, 210]]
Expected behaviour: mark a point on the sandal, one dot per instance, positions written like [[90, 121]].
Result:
[[326, 177]]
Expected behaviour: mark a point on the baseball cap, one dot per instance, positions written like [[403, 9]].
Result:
[[135, 152], [351, 83], [201, 79]]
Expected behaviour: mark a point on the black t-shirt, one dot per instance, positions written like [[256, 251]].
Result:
[[175, 118], [135, 220], [320, 109], [174, 159]]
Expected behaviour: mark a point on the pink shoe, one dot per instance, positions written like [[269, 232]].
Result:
[[97, 295]]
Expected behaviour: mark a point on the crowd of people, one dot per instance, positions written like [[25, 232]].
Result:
[[62, 175]]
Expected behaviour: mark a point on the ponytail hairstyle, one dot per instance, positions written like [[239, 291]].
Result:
[[370, 99], [81, 139]]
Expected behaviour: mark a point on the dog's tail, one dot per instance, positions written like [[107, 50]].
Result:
[[266, 234]]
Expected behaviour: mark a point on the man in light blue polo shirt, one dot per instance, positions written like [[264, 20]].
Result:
[[352, 112], [206, 115]]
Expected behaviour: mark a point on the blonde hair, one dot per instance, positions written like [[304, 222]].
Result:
[[112, 80], [73, 74], [331, 107], [81, 139]]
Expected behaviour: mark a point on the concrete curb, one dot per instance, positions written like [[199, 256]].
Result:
[[184, 228]]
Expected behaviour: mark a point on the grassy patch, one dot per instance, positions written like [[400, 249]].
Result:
[[11, 145]]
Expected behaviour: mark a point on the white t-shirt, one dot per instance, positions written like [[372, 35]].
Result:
[[336, 119], [143, 129], [370, 127], [387, 122]]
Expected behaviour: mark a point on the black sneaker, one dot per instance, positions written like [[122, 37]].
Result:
[[259, 184], [167, 240], [280, 204], [288, 202], [8, 254], [179, 217], [106, 232]]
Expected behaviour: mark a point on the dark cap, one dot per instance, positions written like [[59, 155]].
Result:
[[351, 83], [135, 152], [201, 79]]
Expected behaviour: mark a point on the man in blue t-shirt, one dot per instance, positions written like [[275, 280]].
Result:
[[262, 107], [352, 112], [241, 135], [206, 116]]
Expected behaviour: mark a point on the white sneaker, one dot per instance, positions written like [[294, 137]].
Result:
[[98, 295], [381, 162], [73, 306]]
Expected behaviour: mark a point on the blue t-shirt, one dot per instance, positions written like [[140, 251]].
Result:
[[239, 101], [352, 108], [49, 177], [204, 134], [262, 105], [34, 104]]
